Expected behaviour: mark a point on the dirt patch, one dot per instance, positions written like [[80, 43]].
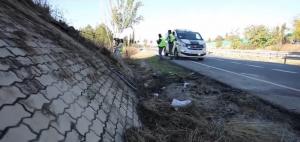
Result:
[[217, 113]]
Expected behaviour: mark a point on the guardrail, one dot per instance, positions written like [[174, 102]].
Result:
[[258, 53], [292, 55]]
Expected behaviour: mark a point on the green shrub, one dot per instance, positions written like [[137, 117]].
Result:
[[219, 43]]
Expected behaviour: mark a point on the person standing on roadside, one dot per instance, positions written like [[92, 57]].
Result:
[[171, 41], [161, 42], [174, 41], [119, 47]]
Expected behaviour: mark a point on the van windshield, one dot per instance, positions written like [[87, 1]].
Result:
[[189, 35]]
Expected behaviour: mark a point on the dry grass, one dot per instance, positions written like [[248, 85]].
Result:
[[193, 124], [130, 51], [291, 48], [218, 113], [144, 54], [257, 130], [285, 47]]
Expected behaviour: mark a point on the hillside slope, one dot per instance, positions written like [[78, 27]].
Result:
[[53, 88]]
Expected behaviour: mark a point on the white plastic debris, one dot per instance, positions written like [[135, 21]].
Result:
[[156, 94], [186, 84], [177, 103]]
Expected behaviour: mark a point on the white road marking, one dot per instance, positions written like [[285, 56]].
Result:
[[236, 63], [253, 78], [219, 59], [284, 71], [253, 75], [255, 66]]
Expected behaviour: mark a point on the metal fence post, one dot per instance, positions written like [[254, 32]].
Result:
[[285, 59]]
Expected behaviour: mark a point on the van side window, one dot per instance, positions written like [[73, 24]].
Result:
[[198, 36]]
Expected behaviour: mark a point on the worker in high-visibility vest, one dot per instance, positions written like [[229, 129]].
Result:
[[171, 41], [161, 45]]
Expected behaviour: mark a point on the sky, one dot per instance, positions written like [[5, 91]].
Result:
[[208, 17]]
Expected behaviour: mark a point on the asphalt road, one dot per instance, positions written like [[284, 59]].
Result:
[[273, 82]]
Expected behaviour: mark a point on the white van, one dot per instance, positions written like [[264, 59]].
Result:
[[188, 44]]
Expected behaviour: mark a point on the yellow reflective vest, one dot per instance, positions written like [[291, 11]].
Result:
[[162, 43], [172, 38]]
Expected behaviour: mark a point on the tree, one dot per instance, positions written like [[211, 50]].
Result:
[[258, 36], [209, 40], [227, 36], [275, 37], [282, 33], [218, 38], [125, 15], [145, 41], [219, 41], [296, 32], [278, 35], [103, 35], [88, 32], [236, 43], [289, 38]]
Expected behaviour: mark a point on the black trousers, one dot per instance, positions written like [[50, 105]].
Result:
[[160, 50], [171, 45]]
